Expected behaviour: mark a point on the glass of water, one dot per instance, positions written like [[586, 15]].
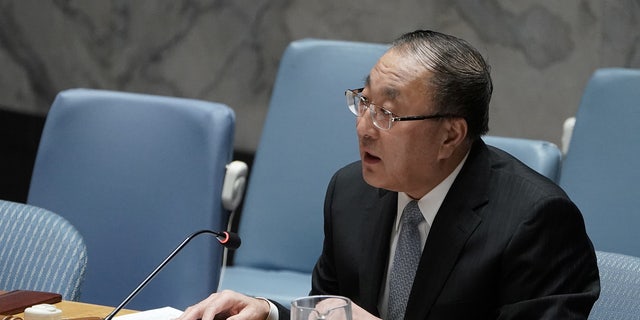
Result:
[[321, 308]]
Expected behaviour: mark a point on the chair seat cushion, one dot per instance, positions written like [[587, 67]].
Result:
[[281, 286]]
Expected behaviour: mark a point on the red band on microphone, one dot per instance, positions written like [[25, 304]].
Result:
[[226, 237]]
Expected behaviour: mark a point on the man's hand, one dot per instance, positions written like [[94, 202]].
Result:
[[228, 305]]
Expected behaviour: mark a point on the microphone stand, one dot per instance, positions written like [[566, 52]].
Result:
[[161, 265]]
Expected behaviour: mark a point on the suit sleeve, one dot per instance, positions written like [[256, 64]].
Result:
[[549, 266]]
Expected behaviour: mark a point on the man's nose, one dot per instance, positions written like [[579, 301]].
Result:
[[364, 124]]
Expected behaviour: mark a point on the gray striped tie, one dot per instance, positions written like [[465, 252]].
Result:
[[405, 262]]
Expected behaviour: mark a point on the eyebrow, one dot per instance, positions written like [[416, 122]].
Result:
[[388, 92]]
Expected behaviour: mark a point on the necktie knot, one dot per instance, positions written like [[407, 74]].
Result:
[[411, 214]]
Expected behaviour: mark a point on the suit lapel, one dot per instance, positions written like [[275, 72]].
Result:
[[377, 236], [454, 224]]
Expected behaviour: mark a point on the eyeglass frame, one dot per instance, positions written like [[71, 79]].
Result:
[[392, 116], [351, 104]]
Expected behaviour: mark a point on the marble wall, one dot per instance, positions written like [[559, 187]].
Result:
[[542, 52]]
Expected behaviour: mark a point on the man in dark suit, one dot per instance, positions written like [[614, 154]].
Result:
[[432, 223]]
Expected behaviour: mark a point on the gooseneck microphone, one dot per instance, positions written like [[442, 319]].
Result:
[[229, 240]]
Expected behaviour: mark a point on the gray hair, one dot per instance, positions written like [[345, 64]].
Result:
[[460, 78]]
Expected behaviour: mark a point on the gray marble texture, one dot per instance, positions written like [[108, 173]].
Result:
[[542, 52]]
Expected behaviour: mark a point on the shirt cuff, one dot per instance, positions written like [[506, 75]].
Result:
[[273, 310]]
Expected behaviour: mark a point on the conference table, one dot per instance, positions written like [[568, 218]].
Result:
[[73, 309], [76, 310]]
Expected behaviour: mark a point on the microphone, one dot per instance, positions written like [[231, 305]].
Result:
[[228, 240]]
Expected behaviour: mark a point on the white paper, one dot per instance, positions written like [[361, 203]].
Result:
[[166, 313]]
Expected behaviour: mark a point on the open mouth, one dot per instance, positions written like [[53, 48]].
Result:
[[369, 157]]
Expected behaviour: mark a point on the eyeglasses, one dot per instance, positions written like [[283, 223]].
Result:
[[381, 117]]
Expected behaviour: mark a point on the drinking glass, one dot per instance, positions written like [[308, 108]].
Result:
[[321, 308]]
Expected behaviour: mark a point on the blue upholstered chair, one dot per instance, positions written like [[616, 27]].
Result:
[[137, 174], [309, 134], [40, 250], [601, 171], [542, 156], [620, 287]]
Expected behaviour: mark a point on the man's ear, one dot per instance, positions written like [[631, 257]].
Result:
[[454, 135]]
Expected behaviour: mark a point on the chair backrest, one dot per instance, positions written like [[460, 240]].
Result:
[[136, 174], [40, 250], [542, 156], [620, 287], [308, 134], [600, 171]]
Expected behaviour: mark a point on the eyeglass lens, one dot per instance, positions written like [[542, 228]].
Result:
[[380, 117]]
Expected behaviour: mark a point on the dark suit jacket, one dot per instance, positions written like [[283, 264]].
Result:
[[507, 243]]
